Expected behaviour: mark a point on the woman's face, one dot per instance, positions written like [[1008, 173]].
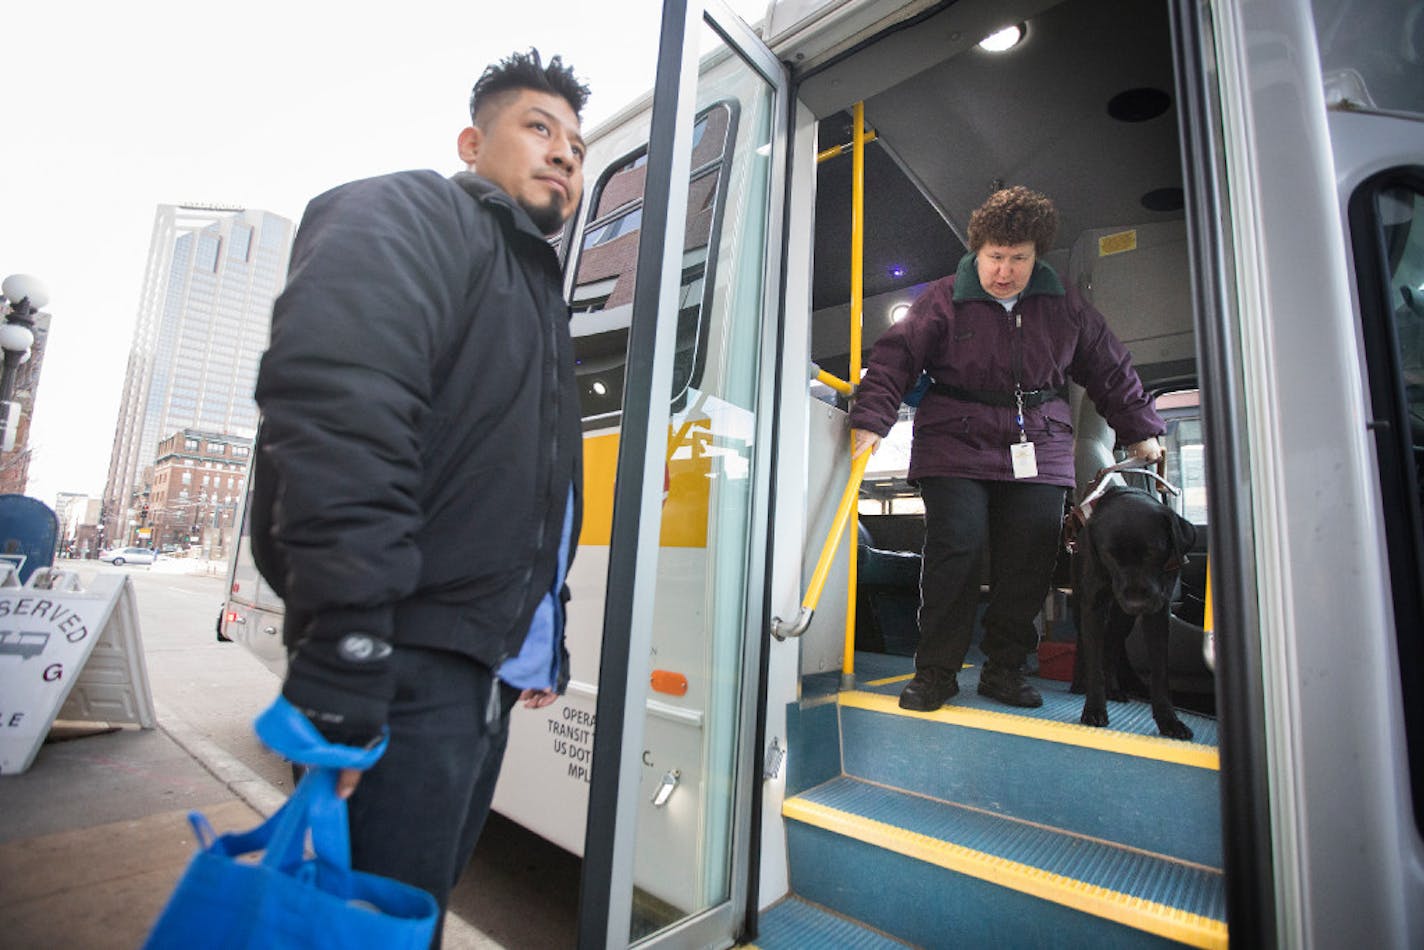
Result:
[[1004, 269]]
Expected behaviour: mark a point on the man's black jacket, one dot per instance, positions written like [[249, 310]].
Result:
[[420, 419]]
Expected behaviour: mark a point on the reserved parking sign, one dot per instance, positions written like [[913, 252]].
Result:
[[67, 653]]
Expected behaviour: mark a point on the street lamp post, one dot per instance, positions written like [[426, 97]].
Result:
[[25, 295]]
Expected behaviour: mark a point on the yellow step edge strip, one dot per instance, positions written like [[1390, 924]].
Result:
[[891, 679], [1068, 733], [1149, 916]]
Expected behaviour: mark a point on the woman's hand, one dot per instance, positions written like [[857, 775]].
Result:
[[1148, 449], [862, 441]]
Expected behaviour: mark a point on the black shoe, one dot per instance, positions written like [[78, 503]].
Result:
[[929, 690], [1008, 685]]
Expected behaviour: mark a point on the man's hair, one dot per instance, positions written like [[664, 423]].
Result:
[[1014, 216], [520, 71]]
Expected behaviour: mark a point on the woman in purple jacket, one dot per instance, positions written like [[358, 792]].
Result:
[[993, 437]]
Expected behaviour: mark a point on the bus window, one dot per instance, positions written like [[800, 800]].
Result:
[[1186, 463], [884, 490], [602, 299], [1387, 221]]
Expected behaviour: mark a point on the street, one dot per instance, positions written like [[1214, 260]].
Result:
[[520, 890]]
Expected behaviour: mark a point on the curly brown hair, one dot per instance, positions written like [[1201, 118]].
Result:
[[1013, 216]]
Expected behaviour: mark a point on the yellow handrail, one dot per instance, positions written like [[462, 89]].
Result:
[[848, 510], [857, 310], [1209, 624], [836, 151], [1208, 611], [831, 380], [848, 503]]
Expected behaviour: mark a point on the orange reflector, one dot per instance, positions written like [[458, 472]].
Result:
[[666, 681]]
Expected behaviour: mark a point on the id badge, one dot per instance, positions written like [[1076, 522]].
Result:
[[1025, 462]]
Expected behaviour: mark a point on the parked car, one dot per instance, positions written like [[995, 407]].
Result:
[[117, 556]]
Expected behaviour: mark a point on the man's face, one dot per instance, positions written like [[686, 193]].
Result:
[[1004, 269], [530, 146]]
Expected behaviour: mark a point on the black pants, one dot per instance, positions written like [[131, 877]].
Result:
[[1022, 523], [417, 813]]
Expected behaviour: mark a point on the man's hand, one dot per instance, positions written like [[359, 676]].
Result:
[[1148, 449], [537, 698], [862, 441], [343, 686], [346, 781]]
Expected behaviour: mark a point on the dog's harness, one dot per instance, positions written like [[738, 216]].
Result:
[[1079, 514]]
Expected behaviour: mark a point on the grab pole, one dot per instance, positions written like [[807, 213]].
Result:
[[857, 309], [780, 628]]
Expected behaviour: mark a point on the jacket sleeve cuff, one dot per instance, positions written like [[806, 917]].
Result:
[[872, 425], [1123, 441], [330, 624]]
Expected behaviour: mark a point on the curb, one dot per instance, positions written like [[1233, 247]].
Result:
[[257, 792]]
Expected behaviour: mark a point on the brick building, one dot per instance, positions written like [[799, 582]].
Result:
[[196, 493]]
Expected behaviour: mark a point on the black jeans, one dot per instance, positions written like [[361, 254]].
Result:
[[417, 813], [1022, 523]]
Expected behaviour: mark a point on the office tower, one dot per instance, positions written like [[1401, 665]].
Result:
[[203, 317]]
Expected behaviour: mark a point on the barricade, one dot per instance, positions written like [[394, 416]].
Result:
[[67, 653]]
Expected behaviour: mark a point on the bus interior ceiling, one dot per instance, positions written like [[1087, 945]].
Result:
[[1082, 109]]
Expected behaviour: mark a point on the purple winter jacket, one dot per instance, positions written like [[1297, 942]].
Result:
[[965, 338]]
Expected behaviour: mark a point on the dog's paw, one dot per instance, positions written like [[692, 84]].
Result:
[[1117, 694], [1174, 728], [1094, 717]]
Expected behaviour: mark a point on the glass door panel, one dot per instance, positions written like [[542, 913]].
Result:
[[688, 528], [693, 720]]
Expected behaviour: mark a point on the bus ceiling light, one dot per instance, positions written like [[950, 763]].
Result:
[[897, 312], [1003, 40], [599, 389], [665, 787]]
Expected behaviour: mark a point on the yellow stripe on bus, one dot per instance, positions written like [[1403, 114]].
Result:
[[689, 482]]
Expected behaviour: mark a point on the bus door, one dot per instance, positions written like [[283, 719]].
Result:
[[667, 848]]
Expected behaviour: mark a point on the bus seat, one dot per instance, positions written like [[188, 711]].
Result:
[[1093, 441], [888, 584]]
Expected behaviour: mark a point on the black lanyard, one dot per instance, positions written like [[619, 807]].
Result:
[[1016, 362]]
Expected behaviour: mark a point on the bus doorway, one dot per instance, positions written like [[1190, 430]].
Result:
[[1079, 103]]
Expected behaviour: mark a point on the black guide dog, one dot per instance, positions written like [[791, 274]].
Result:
[[1130, 552]]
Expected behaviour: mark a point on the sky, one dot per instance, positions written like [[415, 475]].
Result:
[[112, 109]]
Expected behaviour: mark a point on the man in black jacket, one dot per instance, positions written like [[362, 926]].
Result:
[[417, 476]]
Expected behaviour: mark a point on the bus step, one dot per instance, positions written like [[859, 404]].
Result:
[[939, 874], [794, 924], [1124, 784]]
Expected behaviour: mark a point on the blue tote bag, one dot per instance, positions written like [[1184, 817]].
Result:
[[288, 883]]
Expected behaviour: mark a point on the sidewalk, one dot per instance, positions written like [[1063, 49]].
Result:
[[95, 835]]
